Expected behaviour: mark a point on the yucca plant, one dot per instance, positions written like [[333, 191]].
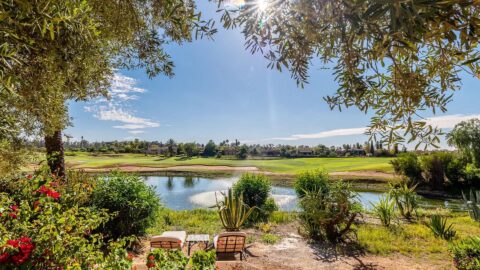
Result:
[[233, 211], [384, 210], [438, 225], [473, 204], [405, 199]]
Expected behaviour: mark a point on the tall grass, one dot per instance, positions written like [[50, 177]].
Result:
[[385, 210], [405, 199], [438, 225]]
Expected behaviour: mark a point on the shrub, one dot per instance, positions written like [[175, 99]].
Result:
[[233, 211], [329, 214], [408, 164], [385, 210], [310, 181], [133, 203], [466, 253], [438, 225], [41, 227], [203, 260], [166, 259], [405, 199], [473, 204], [256, 191], [270, 239]]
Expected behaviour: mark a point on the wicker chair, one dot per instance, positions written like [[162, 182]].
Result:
[[169, 240], [230, 243]]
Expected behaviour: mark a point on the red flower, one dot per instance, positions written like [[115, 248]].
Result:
[[150, 265], [12, 215], [14, 207], [13, 243], [4, 257], [151, 258], [43, 190], [53, 194], [29, 176], [129, 256]]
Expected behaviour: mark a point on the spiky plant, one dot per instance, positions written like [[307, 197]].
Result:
[[233, 211], [405, 199], [384, 210], [473, 204], [438, 225]]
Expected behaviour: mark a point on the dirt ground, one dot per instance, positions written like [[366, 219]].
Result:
[[293, 252]]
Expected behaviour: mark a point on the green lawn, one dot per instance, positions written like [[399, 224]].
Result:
[[290, 166]]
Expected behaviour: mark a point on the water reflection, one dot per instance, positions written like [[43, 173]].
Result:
[[188, 192]]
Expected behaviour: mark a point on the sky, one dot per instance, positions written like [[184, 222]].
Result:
[[221, 91]]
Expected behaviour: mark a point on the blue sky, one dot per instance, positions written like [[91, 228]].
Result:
[[220, 91]]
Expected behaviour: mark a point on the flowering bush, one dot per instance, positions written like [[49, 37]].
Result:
[[166, 259], [42, 226]]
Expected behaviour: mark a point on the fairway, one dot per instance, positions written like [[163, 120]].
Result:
[[288, 166]]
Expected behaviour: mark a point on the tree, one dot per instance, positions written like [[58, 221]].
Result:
[[465, 136], [243, 152], [171, 145], [210, 149], [59, 50], [190, 149], [395, 58]]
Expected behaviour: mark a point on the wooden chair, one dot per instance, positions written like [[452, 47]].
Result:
[[169, 240], [230, 243]]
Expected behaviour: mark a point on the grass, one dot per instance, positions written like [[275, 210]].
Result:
[[414, 239], [270, 239], [287, 166]]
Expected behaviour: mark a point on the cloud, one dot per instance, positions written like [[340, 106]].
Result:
[[136, 131], [446, 122], [115, 108]]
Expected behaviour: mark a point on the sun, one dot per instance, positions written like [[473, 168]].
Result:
[[262, 5]]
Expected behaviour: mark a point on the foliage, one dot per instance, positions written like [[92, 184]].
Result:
[[385, 210], [465, 136], [256, 190], [270, 239], [328, 214], [133, 204], [405, 199], [408, 164], [310, 181], [203, 260], [42, 226], [390, 58], [193, 221], [242, 152], [466, 253], [438, 225], [233, 211], [472, 202], [160, 259], [210, 149]]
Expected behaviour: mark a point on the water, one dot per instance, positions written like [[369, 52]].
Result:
[[187, 192]]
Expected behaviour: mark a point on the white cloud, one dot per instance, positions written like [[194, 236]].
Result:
[[136, 131], [115, 108], [446, 122]]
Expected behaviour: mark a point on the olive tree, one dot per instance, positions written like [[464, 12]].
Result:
[[53, 51], [395, 58]]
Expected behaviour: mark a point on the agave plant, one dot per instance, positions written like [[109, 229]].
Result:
[[233, 211], [438, 225], [473, 204], [405, 199], [384, 210]]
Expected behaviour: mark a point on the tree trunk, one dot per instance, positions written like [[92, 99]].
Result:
[[55, 155]]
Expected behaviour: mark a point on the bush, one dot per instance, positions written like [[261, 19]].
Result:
[[310, 181], [329, 214], [438, 225], [270, 239], [41, 227], [385, 210], [408, 164], [133, 203], [166, 259], [256, 191], [466, 253], [203, 260], [405, 199]]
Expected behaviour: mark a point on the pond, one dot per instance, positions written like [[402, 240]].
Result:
[[187, 192]]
